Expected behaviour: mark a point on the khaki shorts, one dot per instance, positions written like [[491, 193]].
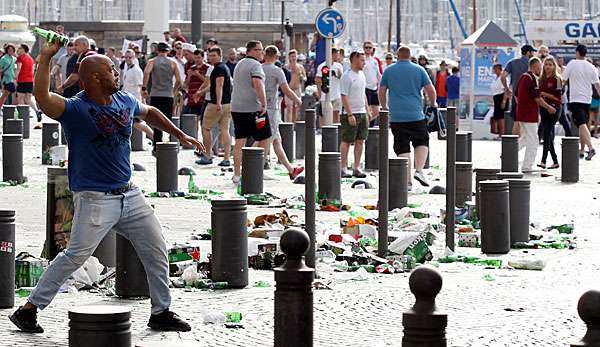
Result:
[[212, 117], [358, 132]]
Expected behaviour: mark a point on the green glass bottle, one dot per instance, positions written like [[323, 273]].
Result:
[[233, 317], [51, 36]]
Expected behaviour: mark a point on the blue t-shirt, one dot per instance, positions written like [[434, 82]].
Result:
[[453, 86], [99, 141], [405, 80]]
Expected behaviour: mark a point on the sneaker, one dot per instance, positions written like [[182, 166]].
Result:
[[591, 154], [297, 171], [421, 178], [204, 161], [168, 321], [225, 163], [542, 165], [527, 170], [236, 179], [358, 174], [554, 166], [346, 174], [26, 320]]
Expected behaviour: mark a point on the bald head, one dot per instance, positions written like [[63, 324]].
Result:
[[97, 72], [403, 53]]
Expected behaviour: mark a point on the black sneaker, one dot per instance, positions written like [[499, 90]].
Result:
[[168, 321], [26, 320]]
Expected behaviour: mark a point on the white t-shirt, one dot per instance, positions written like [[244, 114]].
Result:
[[133, 78], [334, 81], [497, 86], [353, 86], [581, 75], [372, 73]]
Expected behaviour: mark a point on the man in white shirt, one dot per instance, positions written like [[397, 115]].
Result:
[[133, 80], [373, 71], [355, 121], [336, 71], [581, 75]]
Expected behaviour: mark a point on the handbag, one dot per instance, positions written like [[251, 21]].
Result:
[[435, 122]]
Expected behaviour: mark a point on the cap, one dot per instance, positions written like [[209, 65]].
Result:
[[527, 48], [163, 47], [443, 63], [213, 40], [188, 47]]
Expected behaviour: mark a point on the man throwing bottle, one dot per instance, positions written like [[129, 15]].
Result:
[[98, 122]]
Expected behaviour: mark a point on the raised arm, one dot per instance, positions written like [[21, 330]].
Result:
[[53, 105]]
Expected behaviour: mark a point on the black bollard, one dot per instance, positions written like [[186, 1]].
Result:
[[483, 175], [229, 242], [510, 153], [63, 137], [329, 138], [177, 122], [469, 146], [519, 200], [166, 166], [12, 155], [14, 126], [570, 159], [462, 146], [107, 249], [339, 133], [509, 122], [309, 185], [588, 308], [330, 176], [450, 176], [7, 258], [372, 150], [8, 112], [384, 182], [189, 125], [464, 183], [300, 137], [286, 131], [50, 135], [495, 217], [399, 183], [293, 293], [252, 170], [24, 114], [508, 175], [137, 140], [424, 325], [131, 280], [100, 326]]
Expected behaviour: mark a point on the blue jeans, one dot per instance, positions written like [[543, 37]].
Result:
[[95, 215]]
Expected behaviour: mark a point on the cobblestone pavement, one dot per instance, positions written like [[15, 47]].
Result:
[[519, 308]]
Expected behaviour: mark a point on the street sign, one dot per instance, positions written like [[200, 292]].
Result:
[[330, 23]]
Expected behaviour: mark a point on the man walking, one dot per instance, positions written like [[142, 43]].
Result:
[[581, 75], [249, 104], [7, 69], [373, 71], [25, 78], [274, 80], [405, 82], [441, 87], [515, 69], [162, 69], [355, 122], [98, 124], [296, 83]]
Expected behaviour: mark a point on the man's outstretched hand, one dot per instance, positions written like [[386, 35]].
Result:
[[190, 141]]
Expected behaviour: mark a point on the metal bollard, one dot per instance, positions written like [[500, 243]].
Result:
[[384, 178], [469, 146], [24, 114], [495, 217], [14, 126], [7, 258], [166, 166], [137, 140], [424, 324], [99, 326], [330, 176], [177, 122], [570, 159], [63, 137], [300, 138], [399, 183], [286, 131], [483, 175], [189, 125], [229, 242], [8, 112], [509, 122], [450, 176], [339, 133], [12, 158], [464, 183], [508, 175], [131, 280], [588, 308], [372, 150], [50, 135], [293, 293], [462, 146], [510, 153], [329, 138], [519, 202], [309, 185], [252, 170], [106, 252]]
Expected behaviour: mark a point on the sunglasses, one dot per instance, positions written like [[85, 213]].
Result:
[[368, 47]]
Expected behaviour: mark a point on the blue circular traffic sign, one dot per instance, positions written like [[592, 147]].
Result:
[[330, 23]]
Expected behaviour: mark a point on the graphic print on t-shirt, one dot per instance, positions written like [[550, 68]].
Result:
[[113, 128]]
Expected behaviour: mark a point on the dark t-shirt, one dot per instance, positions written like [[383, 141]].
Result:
[[527, 91], [220, 70], [74, 89], [550, 86]]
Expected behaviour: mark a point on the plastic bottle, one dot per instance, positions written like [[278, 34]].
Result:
[[51, 36]]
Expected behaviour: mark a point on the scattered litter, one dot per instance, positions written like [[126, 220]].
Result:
[[361, 184], [138, 167], [437, 190]]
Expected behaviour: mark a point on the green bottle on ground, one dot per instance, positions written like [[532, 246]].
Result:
[[51, 36]]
